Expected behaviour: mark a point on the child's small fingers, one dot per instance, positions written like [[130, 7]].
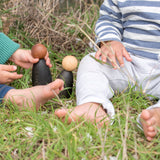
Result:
[[98, 54], [120, 59], [126, 55], [104, 58], [112, 59]]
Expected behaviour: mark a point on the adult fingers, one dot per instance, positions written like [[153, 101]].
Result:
[[31, 59], [8, 77], [48, 62], [13, 76], [9, 68]]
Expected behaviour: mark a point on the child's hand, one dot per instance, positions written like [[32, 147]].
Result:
[[8, 74], [113, 51], [25, 59]]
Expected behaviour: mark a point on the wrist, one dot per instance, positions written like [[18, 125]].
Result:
[[12, 58], [8, 47], [104, 43]]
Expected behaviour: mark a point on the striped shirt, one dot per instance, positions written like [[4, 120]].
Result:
[[135, 23]]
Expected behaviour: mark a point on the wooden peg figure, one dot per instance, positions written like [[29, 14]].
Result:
[[69, 63], [41, 74]]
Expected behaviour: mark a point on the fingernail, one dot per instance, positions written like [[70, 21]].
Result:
[[122, 65], [114, 67], [15, 67]]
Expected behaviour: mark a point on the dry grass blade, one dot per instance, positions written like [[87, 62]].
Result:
[[37, 21], [42, 21], [72, 25], [103, 141], [123, 70], [125, 157], [135, 143], [43, 149]]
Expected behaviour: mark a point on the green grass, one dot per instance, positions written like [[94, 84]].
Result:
[[31, 135], [40, 135]]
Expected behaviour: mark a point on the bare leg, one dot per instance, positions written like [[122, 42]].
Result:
[[91, 112], [34, 96], [150, 120]]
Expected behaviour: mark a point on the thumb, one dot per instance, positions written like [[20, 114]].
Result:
[[33, 60]]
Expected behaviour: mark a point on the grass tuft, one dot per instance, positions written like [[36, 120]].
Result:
[[29, 134]]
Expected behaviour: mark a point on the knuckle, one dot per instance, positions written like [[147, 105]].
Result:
[[112, 56]]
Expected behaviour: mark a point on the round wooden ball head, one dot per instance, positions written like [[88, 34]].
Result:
[[39, 51], [69, 63]]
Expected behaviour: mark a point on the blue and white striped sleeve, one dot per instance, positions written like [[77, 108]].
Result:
[[109, 25]]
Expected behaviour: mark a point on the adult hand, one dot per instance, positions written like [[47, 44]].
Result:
[[113, 51], [24, 58], [48, 62], [8, 74]]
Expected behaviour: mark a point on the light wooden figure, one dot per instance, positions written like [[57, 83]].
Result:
[[69, 63]]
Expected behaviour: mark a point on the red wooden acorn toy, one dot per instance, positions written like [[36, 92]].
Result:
[[69, 63], [41, 74]]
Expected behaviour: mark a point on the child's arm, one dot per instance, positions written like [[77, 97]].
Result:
[[109, 26], [109, 30]]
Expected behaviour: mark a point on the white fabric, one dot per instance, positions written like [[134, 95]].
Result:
[[97, 82]]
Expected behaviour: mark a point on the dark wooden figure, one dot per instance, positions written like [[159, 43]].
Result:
[[67, 77], [41, 74]]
